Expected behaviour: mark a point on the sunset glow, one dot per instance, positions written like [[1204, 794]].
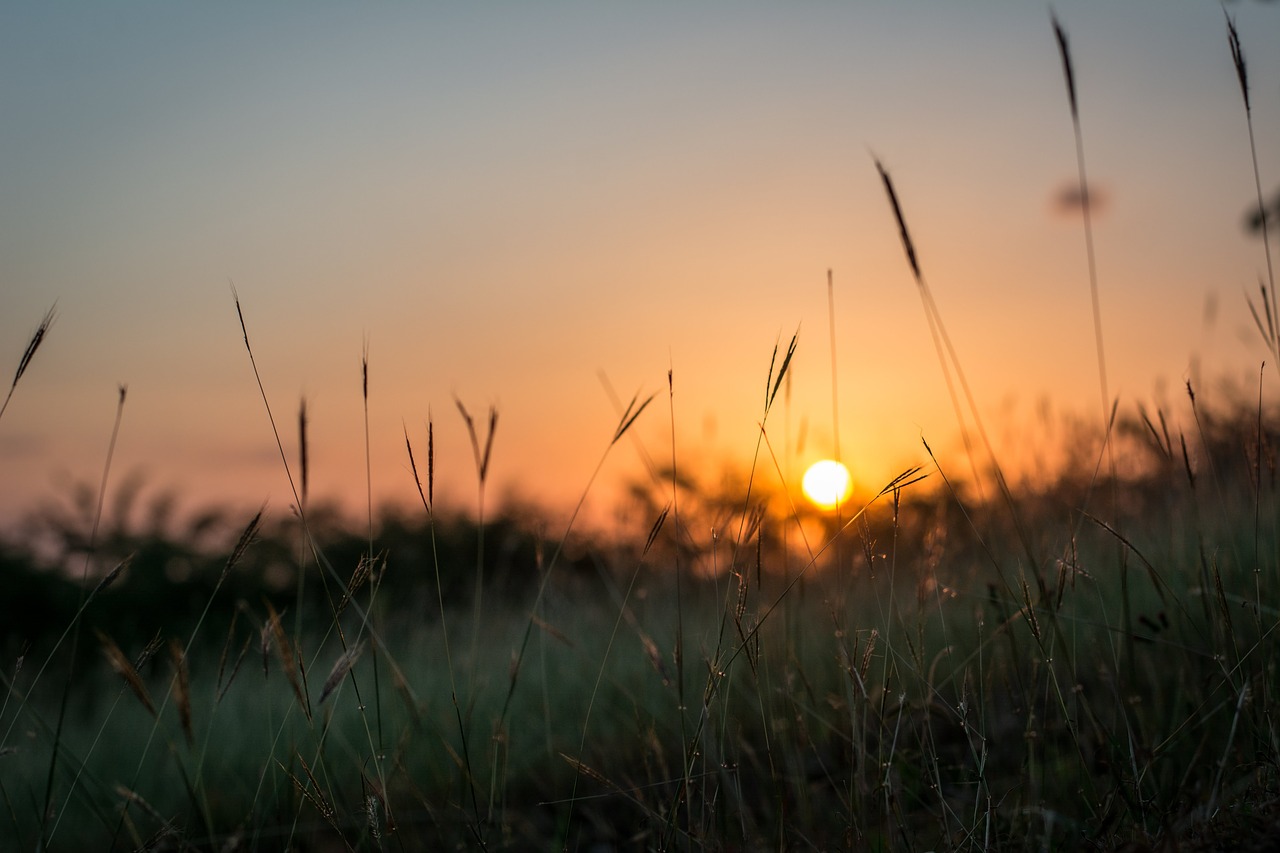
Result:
[[546, 209], [827, 484]]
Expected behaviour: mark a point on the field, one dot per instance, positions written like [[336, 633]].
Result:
[[1084, 658]]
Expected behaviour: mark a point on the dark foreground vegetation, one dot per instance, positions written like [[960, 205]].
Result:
[[1091, 664]]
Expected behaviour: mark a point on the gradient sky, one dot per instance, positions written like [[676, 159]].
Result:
[[509, 202]]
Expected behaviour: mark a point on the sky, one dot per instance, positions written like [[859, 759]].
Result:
[[544, 208]]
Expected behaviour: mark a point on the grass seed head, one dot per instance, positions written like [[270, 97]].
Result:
[[181, 689], [302, 447], [1237, 58], [341, 667], [902, 222], [126, 670], [37, 338], [28, 354], [1068, 69]]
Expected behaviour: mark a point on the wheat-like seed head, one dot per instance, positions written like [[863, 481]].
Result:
[[1068, 69], [126, 670], [1237, 58], [181, 689], [902, 222]]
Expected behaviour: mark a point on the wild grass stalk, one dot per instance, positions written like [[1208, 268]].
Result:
[[678, 650], [1268, 330], [37, 338], [289, 653], [949, 361], [46, 831], [1086, 211], [481, 457], [835, 383], [937, 332], [370, 562], [633, 411], [695, 744], [1052, 642], [428, 504], [604, 660]]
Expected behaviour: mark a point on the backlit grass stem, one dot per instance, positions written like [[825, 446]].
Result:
[[46, 832], [1270, 333], [1086, 211], [37, 338]]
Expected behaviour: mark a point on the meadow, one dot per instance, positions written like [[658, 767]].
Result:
[[955, 659]]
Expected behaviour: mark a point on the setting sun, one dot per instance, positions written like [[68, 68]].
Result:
[[827, 483]]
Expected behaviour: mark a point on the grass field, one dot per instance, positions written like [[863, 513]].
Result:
[[956, 660], [1098, 670]]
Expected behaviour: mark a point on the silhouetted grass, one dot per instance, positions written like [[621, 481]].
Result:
[[735, 671]]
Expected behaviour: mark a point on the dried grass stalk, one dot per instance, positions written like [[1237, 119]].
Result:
[[37, 338], [288, 659], [181, 689], [126, 670], [341, 667], [302, 449]]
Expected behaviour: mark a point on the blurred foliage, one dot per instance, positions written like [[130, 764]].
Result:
[[172, 562], [173, 567]]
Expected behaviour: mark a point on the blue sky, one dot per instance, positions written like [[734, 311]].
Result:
[[508, 201]]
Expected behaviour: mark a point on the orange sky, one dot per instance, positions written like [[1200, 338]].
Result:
[[509, 204]]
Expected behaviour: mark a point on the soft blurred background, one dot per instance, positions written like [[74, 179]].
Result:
[[542, 207]]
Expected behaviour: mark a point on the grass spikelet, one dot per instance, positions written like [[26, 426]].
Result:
[[1086, 210], [653, 531], [428, 498], [770, 395], [29, 353], [264, 645], [413, 467], [941, 341], [1068, 69], [181, 689], [288, 660], [1237, 59], [112, 575], [363, 572], [303, 468], [482, 473], [312, 792], [242, 544], [629, 416], [340, 669], [262, 391], [907, 244], [481, 456], [1269, 291], [1029, 609], [864, 667], [125, 669], [368, 452]]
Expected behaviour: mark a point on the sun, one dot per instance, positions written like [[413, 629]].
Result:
[[827, 484]]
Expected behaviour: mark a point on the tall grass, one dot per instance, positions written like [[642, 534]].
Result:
[[925, 669]]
